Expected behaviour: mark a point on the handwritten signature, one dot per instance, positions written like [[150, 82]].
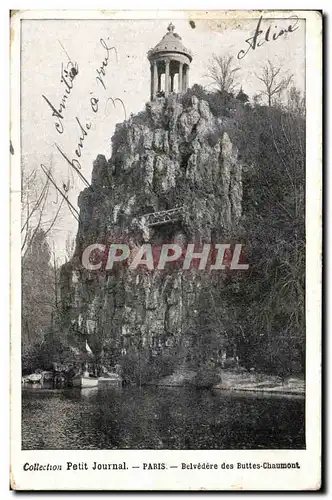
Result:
[[101, 71], [67, 77], [271, 34]]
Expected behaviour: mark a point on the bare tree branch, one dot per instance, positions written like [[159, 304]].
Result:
[[35, 192], [274, 83], [55, 217], [222, 72]]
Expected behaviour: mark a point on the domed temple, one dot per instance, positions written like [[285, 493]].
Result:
[[168, 59]]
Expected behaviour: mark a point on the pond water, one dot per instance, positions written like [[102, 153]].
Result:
[[159, 418]]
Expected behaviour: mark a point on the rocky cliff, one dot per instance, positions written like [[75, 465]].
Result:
[[175, 154]]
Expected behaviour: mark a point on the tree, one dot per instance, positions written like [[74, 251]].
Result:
[[242, 96], [223, 74], [272, 293], [295, 102], [38, 298], [42, 338], [34, 194], [274, 82]]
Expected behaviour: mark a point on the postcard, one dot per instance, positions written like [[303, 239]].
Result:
[[166, 189]]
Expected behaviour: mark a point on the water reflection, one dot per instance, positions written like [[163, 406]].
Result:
[[159, 418], [87, 392]]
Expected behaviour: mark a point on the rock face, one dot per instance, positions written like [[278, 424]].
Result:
[[174, 154]]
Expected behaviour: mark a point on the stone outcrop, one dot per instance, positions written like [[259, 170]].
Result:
[[174, 154]]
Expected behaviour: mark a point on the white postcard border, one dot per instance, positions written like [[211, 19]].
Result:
[[308, 477]]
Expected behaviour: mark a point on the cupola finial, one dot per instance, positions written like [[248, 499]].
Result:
[[171, 27]]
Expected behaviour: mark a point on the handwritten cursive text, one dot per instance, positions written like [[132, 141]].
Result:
[[271, 34]]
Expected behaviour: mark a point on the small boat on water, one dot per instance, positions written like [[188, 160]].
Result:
[[34, 378]]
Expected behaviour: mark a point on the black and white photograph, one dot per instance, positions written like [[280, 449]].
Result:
[[162, 190]]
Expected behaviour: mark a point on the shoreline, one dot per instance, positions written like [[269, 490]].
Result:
[[236, 390], [235, 381], [277, 392], [230, 381]]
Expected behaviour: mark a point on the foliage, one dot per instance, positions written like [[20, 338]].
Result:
[[39, 306], [38, 293], [295, 102], [271, 320], [262, 312], [42, 352], [220, 105], [206, 377], [242, 96]]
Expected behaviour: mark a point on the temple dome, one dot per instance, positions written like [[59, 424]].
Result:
[[171, 42], [169, 66]]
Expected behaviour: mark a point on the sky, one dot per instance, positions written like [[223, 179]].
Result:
[[47, 45]]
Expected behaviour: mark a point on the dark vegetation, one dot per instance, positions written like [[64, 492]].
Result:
[[262, 312], [140, 367]]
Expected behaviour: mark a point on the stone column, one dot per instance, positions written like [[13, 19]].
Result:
[[166, 78], [155, 79], [172, 83], [180, 85], [187, 78], [151, 82]]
